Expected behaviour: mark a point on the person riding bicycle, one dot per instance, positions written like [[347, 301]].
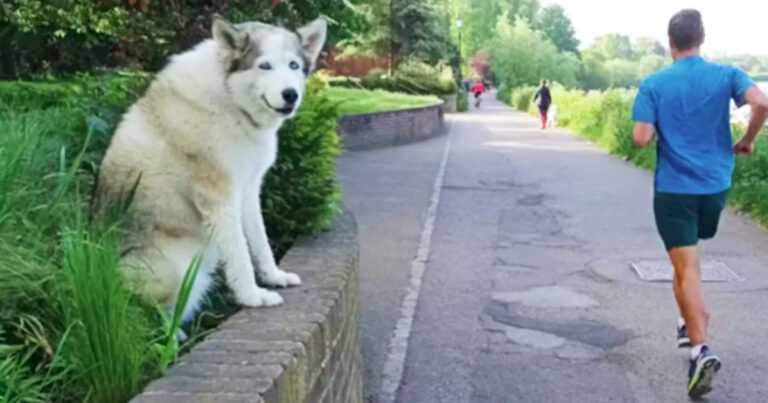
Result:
[[478, 89]]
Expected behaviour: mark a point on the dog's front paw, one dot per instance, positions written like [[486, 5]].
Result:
[[260, 298], [279, 278]]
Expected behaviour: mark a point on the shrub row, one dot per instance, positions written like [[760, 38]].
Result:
[[412, 77], [605, 118], [69, 329]]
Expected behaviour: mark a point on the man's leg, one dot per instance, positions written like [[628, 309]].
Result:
[[687, 288]]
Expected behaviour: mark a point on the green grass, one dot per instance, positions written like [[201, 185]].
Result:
[[353, 101], [70, 330]]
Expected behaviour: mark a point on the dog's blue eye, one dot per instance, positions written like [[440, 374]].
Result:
[[265, 66], [294, 66]]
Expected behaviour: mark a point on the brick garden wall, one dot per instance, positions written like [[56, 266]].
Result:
[[386, 129], [305, 351]]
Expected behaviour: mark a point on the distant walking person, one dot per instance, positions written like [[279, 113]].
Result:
[[478, 89], [543, 99], [688, 106]]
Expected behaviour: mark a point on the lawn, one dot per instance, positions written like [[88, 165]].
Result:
[[353, 101]]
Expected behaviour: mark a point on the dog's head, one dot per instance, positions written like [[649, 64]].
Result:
[[267, 66]]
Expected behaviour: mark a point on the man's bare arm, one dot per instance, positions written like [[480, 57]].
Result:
[[644, 133], [759, 103]]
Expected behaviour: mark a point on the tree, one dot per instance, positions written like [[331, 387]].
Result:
[[650, 64], [612, 46], [526, 9], [622, 73], [648, 46], [430, 41], [521, 55], [480, 23], [556, 25]]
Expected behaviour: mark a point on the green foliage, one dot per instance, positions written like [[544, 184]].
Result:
[[110, 335], [429, 42], [524, 9], [301, 193], [522, 56], [480, 20], [556, 25], [74, 35], [412, 77], [18, 384], [482, 17], [71, 330], [648, 46], [750, 63], [352, 101], [613, 46], [522, 97], [750, 179]]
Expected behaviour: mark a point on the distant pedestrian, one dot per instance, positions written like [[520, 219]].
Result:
[[543, 99], [478, 89], [688, 106]]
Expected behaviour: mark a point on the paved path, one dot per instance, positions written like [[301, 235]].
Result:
[[527, 295]]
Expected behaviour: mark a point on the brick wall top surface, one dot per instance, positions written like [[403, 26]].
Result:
[[289, 353]]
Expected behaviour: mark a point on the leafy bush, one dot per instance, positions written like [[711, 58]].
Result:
[[412, 78], [301, 193], [521, 98]]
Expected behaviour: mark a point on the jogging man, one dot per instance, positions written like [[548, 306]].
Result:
[[687, 105]]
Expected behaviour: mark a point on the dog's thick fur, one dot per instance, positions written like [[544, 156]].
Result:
[[193, 152]]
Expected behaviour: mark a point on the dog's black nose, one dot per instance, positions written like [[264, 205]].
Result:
[[290, 96]]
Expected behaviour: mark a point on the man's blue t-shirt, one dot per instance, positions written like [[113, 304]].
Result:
[[689, 103]]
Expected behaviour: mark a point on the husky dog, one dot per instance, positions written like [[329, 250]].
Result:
[[193, 152]]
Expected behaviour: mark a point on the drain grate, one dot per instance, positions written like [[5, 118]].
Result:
[[712, 271]]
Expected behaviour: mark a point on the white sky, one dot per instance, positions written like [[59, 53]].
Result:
[[733, 26]]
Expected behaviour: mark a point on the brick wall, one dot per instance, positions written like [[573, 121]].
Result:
[[386, 129], [305, 351]]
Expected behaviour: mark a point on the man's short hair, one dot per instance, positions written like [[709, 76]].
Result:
[[686, 30]]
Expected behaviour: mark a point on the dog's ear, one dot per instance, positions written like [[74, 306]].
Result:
[[227, 35], [312, 39]]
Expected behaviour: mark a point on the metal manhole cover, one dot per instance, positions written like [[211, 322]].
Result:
[[712, 271]]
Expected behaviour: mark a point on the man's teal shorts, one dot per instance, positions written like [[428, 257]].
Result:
[[683, 219]]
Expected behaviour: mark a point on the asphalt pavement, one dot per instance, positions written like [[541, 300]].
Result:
[[528, 294]]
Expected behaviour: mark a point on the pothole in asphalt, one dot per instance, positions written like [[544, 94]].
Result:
[[533, 338], [589, 332], [505, 338], [532, 200], [547, 297]]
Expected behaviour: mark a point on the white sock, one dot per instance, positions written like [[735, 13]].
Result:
[[680, 322], [696, 350]]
